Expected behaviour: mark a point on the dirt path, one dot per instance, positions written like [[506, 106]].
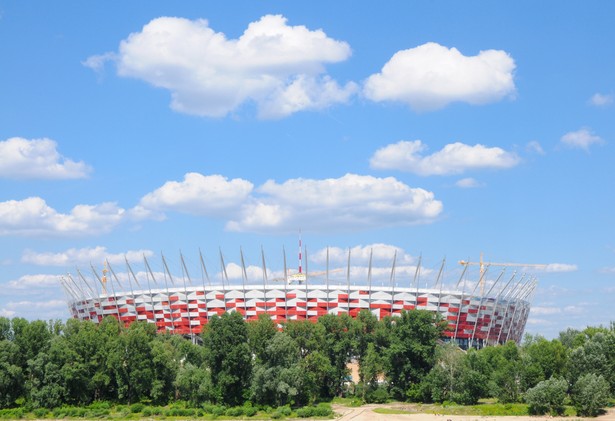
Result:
[[366, 413]]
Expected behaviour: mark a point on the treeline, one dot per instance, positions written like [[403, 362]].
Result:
[[51, 364]]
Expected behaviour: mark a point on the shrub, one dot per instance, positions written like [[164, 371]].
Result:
[[590, 394], [547, 397], [377, 395], [322, 410], [236, 411], [40, 412], [135, 408]]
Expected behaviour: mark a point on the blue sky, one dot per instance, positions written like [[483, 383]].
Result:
[[437, 129]]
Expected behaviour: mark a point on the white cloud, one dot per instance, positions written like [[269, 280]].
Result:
[[37, 159], [381, 253], [24, 307], [197, 194], [560, 267], [350, 202], [32, 216], [73, 256], [35, 282], [277, 66], [601, 100], [454, 158], [431, 76], [468, 183], [581, 139], [537, 310]]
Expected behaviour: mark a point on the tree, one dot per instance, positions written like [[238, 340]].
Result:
[[547, 397], [590, 394], [260, 334], [454, 377], [596, 355], [228, 357], [411, 354], [507, 374], [193, 384], [129, 361], [309, 336], [338, 347], [11, 374], [278, 378]]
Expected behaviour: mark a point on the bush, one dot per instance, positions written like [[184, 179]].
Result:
[[135, 408], [40, 412], [547, 397], [236, 411], [322, 410], [590, 394], [377, 395], [249, 410]]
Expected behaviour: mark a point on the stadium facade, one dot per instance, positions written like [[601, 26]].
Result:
[[474, 318]]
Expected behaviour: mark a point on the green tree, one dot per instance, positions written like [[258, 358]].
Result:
[[309, 336], [412, 352], [11, 374], [507, 375], [338, 347], [193, 384], [548, 396], [590, 394], [129, 361], [596, 355], [278, 378], [228, 356], [317, 371], [260, 334]]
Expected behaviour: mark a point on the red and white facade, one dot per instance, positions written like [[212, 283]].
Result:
[[472, 320]]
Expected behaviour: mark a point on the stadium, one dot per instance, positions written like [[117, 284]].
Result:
[[475, 317]]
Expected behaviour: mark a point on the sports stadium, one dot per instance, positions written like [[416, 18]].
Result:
[[480, 310]]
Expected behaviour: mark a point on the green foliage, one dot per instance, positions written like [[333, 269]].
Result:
[[547, 397], [278, 379], [412, 352], [136, 408], [228, 357], [590, 394], [322, 410]]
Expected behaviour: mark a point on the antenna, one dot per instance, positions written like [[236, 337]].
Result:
[[300, 256]]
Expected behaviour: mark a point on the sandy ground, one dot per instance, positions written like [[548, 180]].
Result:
[[366, 413]]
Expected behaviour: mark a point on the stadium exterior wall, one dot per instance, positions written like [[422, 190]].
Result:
[[472, 320]]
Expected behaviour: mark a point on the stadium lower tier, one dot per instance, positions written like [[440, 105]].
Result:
[[472, 320]]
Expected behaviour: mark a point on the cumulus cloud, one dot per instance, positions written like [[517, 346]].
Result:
[[37, 159], [197, 194], [581, 139], [35, 281], [74, 256], [601, 100], [32, 216], [454, 158], [36, 307], [350, 202], [431, 76], [278, 67], [381, 253]]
